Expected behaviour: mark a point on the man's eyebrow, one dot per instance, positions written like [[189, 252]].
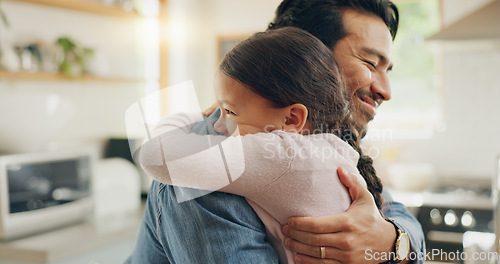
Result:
[[380, 56]]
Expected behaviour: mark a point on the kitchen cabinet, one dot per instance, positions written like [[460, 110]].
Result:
[[480, 24]]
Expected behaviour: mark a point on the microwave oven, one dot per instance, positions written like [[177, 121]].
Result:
[[45, 190]]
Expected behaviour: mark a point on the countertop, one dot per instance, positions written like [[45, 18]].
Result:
[[61, 245], [449, 200]]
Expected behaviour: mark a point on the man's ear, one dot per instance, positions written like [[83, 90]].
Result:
[[295, 118]]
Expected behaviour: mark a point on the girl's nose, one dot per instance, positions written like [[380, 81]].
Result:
[[220, 125]]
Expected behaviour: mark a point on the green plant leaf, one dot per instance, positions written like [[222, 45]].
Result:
[[74, 54], [4, 18]]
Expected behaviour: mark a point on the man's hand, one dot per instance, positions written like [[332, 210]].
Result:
[[345, 236], [210, 110]]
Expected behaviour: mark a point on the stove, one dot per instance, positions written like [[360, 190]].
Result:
[[448, 210]]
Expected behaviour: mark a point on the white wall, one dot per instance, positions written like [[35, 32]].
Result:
[[467, 142], [470, 143], [471, 113], [120, 53], [195, 26]]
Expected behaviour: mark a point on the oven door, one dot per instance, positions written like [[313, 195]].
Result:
[[42, 191]]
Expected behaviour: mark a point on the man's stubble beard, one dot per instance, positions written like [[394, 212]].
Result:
[[361, 119]]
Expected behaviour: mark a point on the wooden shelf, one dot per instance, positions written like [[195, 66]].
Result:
[[85, 6], [42, 76]]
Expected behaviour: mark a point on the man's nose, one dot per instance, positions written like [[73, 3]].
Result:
[[381, 87]]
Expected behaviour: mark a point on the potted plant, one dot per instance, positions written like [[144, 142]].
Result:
[[75, 57]]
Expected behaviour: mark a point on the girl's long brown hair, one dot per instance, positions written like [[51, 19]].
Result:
[[288, 66]]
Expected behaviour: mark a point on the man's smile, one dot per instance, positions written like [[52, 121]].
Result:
[[367, 103]]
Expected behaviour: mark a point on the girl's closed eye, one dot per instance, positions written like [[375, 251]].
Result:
[[229, 112]]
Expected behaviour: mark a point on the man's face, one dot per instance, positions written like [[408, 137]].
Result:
[[365, 58]]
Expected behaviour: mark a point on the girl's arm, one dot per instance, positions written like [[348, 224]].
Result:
[[238, 165], [241, 165]]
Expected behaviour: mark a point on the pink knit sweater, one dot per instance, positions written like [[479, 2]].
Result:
[[280, 174]]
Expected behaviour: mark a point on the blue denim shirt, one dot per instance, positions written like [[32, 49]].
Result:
[[221, 228]]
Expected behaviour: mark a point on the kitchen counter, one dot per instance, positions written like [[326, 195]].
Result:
[[106, 240], [455, 199]]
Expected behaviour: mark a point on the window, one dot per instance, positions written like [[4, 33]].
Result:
[[415, 108]]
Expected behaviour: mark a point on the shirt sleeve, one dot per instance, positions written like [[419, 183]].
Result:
[[398, 212]]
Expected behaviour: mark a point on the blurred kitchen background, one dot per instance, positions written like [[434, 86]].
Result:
[[72, 70]]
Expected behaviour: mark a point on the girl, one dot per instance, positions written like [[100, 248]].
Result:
[[285, 107]]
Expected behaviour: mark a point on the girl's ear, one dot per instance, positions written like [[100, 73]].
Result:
[[295, 118]]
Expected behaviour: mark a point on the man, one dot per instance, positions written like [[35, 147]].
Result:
[[222, 228]]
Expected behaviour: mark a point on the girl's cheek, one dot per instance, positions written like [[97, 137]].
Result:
[[231, 126], [236, 132], [246, 129]]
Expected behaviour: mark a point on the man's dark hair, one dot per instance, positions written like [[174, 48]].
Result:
[[323, 18], [290, 65]]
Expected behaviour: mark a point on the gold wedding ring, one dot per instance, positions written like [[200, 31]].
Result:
[[323, 252]]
